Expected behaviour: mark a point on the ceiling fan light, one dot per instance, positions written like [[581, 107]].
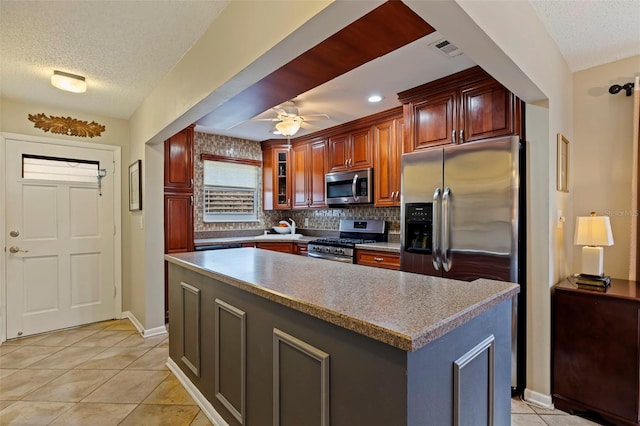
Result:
[[288, 127], [68, 82]]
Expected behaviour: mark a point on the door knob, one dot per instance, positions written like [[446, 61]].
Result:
[[14, 233], [15, 249]]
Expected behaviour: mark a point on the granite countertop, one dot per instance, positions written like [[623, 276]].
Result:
[[388, 247], [401, 309]]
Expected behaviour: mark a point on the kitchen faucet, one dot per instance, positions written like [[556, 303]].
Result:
[[291, 225]]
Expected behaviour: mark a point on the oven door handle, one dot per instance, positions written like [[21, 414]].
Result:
[[354, 187], [336, 258]]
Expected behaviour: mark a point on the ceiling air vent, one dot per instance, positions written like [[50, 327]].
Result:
[[447, 48]]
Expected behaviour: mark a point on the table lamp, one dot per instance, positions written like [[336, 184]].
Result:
[[593, 232]]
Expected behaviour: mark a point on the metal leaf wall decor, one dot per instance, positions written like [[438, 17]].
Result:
[[66, 125]]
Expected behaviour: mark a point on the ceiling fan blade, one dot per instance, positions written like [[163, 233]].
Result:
[[265, 119], [315, 117]]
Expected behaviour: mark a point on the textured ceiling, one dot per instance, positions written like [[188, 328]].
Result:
[[592, 32], [123, 48]]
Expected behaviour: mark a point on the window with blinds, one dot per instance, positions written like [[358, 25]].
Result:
[[230, 192], [59, 169]]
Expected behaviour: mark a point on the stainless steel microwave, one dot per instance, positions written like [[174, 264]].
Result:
[[349, 187]]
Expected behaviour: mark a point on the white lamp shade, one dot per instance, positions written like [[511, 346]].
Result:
[[593, 231], [68, 82], [288, 127]]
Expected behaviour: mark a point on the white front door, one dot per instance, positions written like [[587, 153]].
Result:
[[59, 239]]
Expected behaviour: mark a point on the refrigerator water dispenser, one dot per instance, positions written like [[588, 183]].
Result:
[[418, 227]]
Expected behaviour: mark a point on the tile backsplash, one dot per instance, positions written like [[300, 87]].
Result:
[[318, 219]]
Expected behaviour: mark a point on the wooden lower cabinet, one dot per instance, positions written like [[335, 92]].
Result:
[[301, 248], [596, 345], [379, 259], [281, 246], [258, 362]]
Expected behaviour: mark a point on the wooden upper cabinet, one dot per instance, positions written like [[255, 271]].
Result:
[[317, 170], [361, 149], [351, 150], [339, 152], [276, 177], [486, 111], [464, 107], [387, 145], [435, 120], [309, 167], [299, 161], [178, 164]]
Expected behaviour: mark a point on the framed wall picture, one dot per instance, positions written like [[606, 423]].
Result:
[[563, 164], [135, 186]]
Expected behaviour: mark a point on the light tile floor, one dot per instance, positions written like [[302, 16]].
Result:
[[107, 374], [99, 374]]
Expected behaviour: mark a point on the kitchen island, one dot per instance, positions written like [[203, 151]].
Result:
[[260, 337]]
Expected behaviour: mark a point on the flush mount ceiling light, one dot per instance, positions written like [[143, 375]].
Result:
[[288, 127], [68, 82], [374, 99]]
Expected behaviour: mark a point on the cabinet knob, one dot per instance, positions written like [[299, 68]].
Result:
[[453, 136], [461, 135]]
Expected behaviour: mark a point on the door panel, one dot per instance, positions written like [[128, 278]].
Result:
[[434, 121], [316, 174], [299, 160], [482, 177], [361, 149], [42, 284], [487, 111], [85, 283], [62, 271], [421, 175]]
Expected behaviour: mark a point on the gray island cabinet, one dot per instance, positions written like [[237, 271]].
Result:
[[265, 338]]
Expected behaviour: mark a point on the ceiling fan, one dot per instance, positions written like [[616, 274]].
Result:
[[288, 122]]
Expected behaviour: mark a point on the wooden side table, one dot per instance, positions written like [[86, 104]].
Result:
[[596, 345]]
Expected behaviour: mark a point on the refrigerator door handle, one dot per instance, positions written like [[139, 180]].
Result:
[[447, 260], [435, 232]]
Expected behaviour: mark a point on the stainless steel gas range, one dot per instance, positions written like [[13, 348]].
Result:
[[352, 232]]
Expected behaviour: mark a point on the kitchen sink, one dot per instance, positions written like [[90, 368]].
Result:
[[279, 237]]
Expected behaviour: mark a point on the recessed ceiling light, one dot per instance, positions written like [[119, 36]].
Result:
[[68, 82], [374, 99]]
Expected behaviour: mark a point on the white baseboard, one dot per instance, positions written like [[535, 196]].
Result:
[[145, 333], [538, 399], [155, 331], [206, 407]]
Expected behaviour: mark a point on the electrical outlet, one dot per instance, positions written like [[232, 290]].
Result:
[[306, 221]]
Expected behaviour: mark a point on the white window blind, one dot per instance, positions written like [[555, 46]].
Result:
[[59, 169], [230, 192]]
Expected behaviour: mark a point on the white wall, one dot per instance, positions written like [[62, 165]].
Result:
[[14, 119], [601, 153]]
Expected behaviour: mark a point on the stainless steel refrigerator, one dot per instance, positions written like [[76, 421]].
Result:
[[460, 217]]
